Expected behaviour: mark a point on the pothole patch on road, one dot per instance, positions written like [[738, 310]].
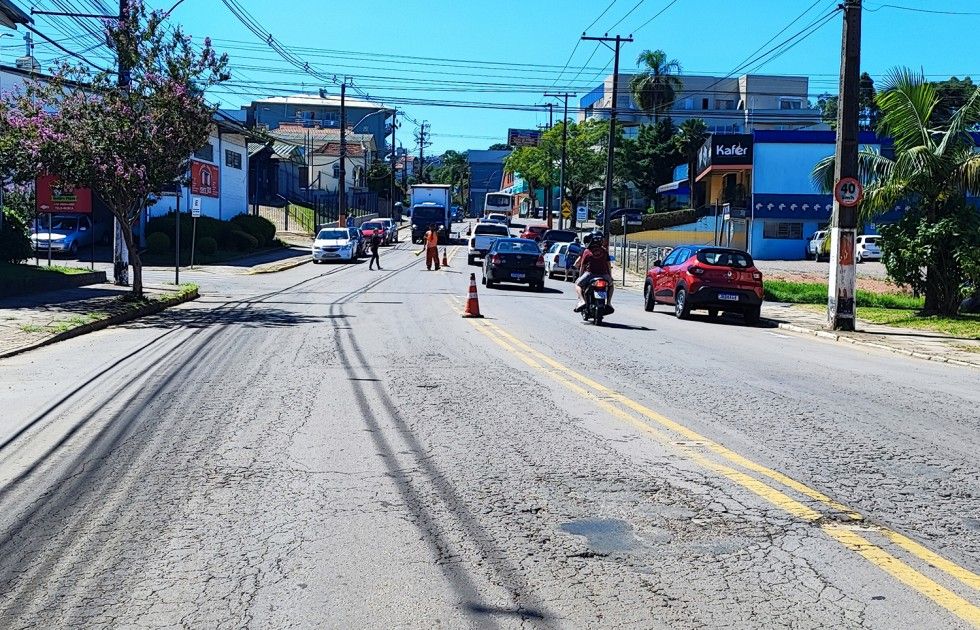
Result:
[[602, 535]]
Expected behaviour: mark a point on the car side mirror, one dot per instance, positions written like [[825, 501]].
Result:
[[658, 263]]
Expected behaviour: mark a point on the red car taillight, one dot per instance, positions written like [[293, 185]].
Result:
[[540, 262], [757, 276], [495, 260], [696, 271]]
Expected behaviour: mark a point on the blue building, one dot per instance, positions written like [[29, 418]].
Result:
[[486, 175]]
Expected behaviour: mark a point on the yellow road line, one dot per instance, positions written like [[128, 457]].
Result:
[[904, 573], [851, 540]]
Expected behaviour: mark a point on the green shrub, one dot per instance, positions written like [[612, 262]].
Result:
[[657, 221], [261, 228], [243, 241], [207, 246], [207, 227], [15, 242], [157, 243]]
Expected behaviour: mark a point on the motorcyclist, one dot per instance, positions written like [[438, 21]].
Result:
[[593, 263]]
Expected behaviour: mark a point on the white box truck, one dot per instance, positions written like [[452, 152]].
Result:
[[431, 204]]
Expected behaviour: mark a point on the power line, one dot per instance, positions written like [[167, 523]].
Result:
[[656, 15], [918, 10]]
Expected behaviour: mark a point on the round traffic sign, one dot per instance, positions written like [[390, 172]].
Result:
[[848, 192]]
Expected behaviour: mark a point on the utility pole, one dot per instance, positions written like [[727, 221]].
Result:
[[611, 148], [843, 226], [342, 183], [564, 154], [120, 253], [548, 189], [420, 138], [391, 189]]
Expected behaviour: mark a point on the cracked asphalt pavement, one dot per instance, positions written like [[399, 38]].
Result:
[[336, 447]]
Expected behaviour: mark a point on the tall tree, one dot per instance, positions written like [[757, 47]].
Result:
[[455, 171], [936, 167], [654, 88], [691, 136], [648, 161], [869, 114], [531, 163], [499, 146], [125, 145]]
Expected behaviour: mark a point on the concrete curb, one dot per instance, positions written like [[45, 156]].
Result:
[[824, 334], [148, 309], [275, 268]]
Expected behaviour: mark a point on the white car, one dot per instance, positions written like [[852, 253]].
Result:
[[561, 259], [815, 248], [484, 234], [499, 218], [334, 244], [868, 248]]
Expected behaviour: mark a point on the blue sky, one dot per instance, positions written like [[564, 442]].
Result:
[[531, 41]]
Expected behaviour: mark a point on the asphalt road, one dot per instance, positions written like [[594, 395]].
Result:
[[336, 447]]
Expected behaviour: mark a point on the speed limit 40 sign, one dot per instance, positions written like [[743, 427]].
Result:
[[848, 192]]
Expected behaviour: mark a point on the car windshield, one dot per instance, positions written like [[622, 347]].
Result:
[[725, 258], [498, 230], [561, 236], [537, 229], [517, 247], [372, 226], [332, 235], [65, 224], [871, 240]]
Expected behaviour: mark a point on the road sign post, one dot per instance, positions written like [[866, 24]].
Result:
[[566, 212], [195, 214], [581, 214]]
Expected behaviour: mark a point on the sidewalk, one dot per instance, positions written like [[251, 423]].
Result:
[[796, 318], [31, 321]]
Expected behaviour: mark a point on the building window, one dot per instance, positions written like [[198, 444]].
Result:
[[725, 103], [336, 171], [704, 103], [689, 103], [233, 159], [790, 103], [785, 230], [205, 153]]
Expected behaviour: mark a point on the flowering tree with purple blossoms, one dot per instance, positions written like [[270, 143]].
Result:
[[125, 144]]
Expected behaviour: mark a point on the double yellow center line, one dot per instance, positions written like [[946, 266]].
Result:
[[839, 523]]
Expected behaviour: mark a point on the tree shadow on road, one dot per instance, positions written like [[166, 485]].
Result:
[[245, 316]]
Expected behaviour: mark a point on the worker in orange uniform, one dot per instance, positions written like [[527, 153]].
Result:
[[432, 248]]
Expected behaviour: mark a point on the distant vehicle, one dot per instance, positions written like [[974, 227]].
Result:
[[68, 234], [534, 232], [457, 214], [362, 243], [499, 218], [551, 237], [431, 205], [868, 248], [703, 277], [818, 246], [498, 202], [334, 244], [561, 258], [516, 260], [369, 229], [484, 235], [391, 230]]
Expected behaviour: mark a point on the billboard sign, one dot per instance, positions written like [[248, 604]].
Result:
[[726, 150], [204, 179], [53, 198], [523, 137]]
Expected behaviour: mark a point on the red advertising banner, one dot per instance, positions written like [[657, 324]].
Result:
[[52, 198], [204, 179]]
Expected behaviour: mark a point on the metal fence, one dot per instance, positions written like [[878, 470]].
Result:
[[637, 257]]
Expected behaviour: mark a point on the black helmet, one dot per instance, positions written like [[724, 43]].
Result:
[[593, 238]]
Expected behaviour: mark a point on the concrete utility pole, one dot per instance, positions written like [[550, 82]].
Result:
[[843, 228], [120, 253], [420, 176], [611, 149], [342, 183], [391, 189], [548, 186], [564, 154]]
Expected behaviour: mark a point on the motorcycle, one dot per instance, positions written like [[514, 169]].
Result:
[[596, 301]]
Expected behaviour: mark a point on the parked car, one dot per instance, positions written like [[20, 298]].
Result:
[[817, 245], [514, 260], [534, 232], [484, 235], [334, 244], [362, 243], [67, 235], [369, 229], [551, 237], [715, 279], [868, 248], [561, 258], [391, 230]]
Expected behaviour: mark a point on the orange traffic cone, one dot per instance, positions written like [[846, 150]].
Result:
[[473, 303], [445, 263]]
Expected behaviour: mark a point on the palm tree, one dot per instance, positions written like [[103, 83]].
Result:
[[654, 89], [691, 136], [935, 168]]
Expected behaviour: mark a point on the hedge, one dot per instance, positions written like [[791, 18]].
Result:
[[207, 246], [243, 241], [261, 228], [657, 221], [157, 243]]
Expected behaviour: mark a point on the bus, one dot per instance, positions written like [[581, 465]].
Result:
[[498, 202]]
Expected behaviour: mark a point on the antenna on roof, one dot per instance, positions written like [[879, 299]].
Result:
[[323, 93]]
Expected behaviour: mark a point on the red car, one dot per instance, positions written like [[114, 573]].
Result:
[[707, 278], [371, 228], [534, 232]]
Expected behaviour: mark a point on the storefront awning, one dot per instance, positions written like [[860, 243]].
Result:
[[678, 187]]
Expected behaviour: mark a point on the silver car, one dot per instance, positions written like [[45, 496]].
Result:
[[391, 230]]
